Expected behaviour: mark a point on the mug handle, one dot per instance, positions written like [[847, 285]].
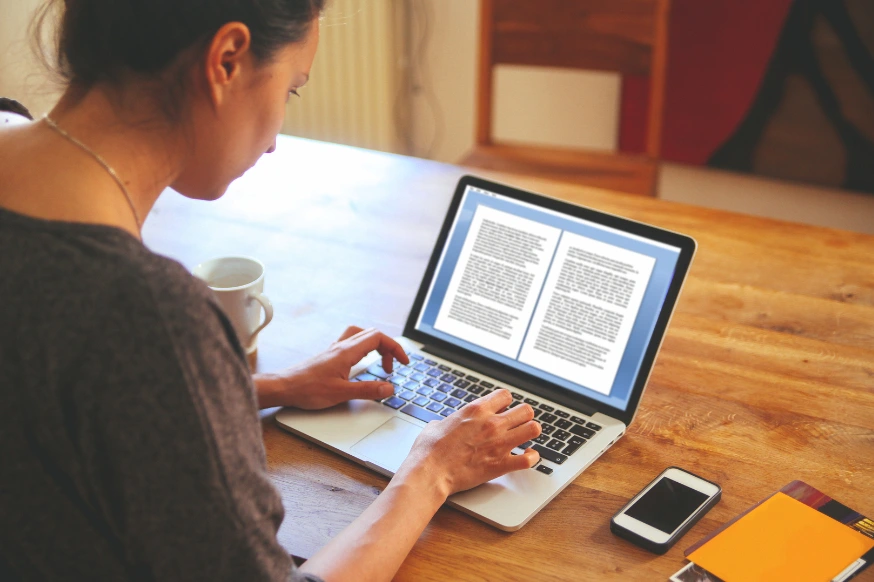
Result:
[[268, 313]]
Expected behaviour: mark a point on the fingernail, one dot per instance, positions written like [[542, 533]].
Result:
[[386, 390]]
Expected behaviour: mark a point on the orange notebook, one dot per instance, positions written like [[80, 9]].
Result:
[[782, 539]]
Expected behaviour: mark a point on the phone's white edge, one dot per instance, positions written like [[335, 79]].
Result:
[[647, 531]]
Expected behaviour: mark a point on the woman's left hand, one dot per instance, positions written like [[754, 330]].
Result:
[[323, 381]]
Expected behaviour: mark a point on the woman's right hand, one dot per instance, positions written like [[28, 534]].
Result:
[[473, 445]]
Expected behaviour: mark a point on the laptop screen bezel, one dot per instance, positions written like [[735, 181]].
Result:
[[543, 388]]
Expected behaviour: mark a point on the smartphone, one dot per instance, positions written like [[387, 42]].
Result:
[[665, 509]]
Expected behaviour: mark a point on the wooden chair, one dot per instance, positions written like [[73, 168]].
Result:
[[625, 36]]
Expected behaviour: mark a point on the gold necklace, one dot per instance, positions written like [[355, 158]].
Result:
[[51, 123]]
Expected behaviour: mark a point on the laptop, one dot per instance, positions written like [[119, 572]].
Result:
[[564, 306]]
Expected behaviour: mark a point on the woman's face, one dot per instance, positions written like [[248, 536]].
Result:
[[231, 136]]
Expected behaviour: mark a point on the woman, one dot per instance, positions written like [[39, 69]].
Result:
[[130, 437]]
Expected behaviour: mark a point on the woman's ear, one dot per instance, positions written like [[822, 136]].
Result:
[[228, 53]]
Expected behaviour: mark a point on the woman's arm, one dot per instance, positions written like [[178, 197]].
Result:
[[468, 448]]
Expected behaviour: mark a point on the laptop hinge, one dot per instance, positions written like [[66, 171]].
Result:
[[555, 395]]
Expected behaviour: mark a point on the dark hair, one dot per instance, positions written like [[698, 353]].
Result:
[[99, 39]]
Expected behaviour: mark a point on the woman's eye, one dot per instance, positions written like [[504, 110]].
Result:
[[294, 92]]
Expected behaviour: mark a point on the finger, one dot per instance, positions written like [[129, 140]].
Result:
[[363, 390], [496, 401], [350, 331], [524, 433], [518, 414], [370, 340], [524, 461]]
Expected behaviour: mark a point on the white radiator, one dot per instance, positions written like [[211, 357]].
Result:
[[354, 85]]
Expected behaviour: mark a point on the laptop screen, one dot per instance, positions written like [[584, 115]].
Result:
[[555, 296]]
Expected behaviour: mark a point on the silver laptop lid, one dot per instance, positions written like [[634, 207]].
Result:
[[561, 300]]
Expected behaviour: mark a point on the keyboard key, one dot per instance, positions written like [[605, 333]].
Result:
[[438, 396], [561, 435], [544, 469], [516, 396], [486, 393], [462, 383], [394, 402], [365, 377], [563, 423], [593, 426], [422, 367], [376, 370], [414, 356], [578, 420], [555, 445], [434, 373], [425, 391], [547, 428], [485, 384], [475, 389], [452, 402], [448, 378], [570, 449], [418, 377], [561, 414], [526, 444], [531, 401], [407, 395], [582, 431], [548, 417], [575, 440], [542, 439], [404, 371], [514, 404], [472, 378], [459, 393], [447, 411], [458, 373], [445, 368], [444, 388], [537, 412], [398, 380], [434, 407], [420, 401], [431, 383], [431, 362], [546, 407], [471, 397], [420, 413], [545, 453], [410, 385]]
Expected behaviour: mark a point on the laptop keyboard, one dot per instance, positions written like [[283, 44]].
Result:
[[430, 390]]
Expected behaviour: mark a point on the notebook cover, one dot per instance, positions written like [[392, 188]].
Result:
[[782, 538], [809, 496]]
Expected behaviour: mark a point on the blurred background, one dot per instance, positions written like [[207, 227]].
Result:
[[401, 76]]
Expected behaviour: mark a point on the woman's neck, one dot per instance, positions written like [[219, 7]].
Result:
[[128, 134]]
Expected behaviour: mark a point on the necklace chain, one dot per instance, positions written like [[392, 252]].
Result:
[[51, 123]]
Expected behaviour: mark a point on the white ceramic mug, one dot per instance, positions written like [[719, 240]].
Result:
[[238, 283]]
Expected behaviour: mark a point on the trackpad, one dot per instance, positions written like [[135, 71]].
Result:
[[388, 445]]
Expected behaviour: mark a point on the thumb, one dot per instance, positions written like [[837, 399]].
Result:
[[366, 390]]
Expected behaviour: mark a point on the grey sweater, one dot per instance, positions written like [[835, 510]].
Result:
[[130, 443]]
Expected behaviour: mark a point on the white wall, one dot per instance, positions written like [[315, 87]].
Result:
[[22, 76]]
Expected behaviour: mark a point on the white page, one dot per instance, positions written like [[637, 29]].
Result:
[[496, 282], [586, 312]]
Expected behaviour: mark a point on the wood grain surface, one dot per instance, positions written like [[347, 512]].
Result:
[[766, 374]]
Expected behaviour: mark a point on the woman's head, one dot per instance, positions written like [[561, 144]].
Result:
[[223, 69]]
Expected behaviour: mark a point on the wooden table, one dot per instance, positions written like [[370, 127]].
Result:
[[766, 374]]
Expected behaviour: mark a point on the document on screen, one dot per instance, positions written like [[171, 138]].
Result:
[[494, 287], [585, 314]]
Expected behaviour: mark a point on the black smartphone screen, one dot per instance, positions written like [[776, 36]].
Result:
[[666, 505]]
